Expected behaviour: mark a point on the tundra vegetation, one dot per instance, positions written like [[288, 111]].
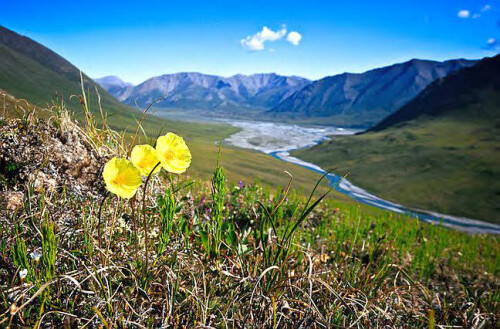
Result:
[[191, 252]]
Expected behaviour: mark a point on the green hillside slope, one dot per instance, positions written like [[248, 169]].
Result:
[[31, 71]]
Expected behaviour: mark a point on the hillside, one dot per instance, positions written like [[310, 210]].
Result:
[[31, 71], [449, 96], [197, 91], [363, 99], [439, 152]]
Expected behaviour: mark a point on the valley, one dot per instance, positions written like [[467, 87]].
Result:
[[280, 140], [246, 111], [439, 152]]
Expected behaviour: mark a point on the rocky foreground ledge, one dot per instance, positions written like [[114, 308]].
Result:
[[46, 157]]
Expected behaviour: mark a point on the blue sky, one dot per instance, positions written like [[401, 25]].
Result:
[[136, 40]]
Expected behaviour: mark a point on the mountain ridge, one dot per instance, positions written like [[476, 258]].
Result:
[[346, 99], [207, 91], [364, 98], [456, 90]]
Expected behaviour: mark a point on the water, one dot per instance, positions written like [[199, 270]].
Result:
[[271, 137], [278, 140]]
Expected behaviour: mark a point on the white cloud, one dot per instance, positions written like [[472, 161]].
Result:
[[269, 35], [476, 16], [294, 38], [485, 8], [463, 13], [256, 42], [491, 41]]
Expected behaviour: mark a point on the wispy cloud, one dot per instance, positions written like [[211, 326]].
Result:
[[256, 42], [485, 8], [493, 44], [294, 38], [463, 13]]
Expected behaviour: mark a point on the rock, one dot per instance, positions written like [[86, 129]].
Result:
[[48, 158]]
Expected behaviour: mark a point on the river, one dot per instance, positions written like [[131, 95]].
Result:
[[278, 140]]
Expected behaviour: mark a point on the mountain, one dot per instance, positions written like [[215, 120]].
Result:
[[347, 99], [31, 71], [112, 81], [363, 99], [450, 95], [438, 152], [208, 92], [116, 86]]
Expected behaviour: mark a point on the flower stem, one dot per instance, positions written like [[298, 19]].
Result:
[[112, 228], [144, 216], [134, 224], [99, 235]]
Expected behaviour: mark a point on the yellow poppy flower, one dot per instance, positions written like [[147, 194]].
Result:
[[122, 177], [173, 152], [145, 158]]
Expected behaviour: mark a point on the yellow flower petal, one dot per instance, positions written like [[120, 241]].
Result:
[[145, 158], [122, 177], [173, 153]]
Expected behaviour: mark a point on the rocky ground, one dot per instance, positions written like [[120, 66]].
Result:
[[41, 156]]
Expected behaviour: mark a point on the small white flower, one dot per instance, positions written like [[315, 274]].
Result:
[[35, 255], [23, 273], [154, 233]]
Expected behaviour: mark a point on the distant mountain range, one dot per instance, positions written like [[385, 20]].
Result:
[[197, 91], [364, 99], [346, 99]]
